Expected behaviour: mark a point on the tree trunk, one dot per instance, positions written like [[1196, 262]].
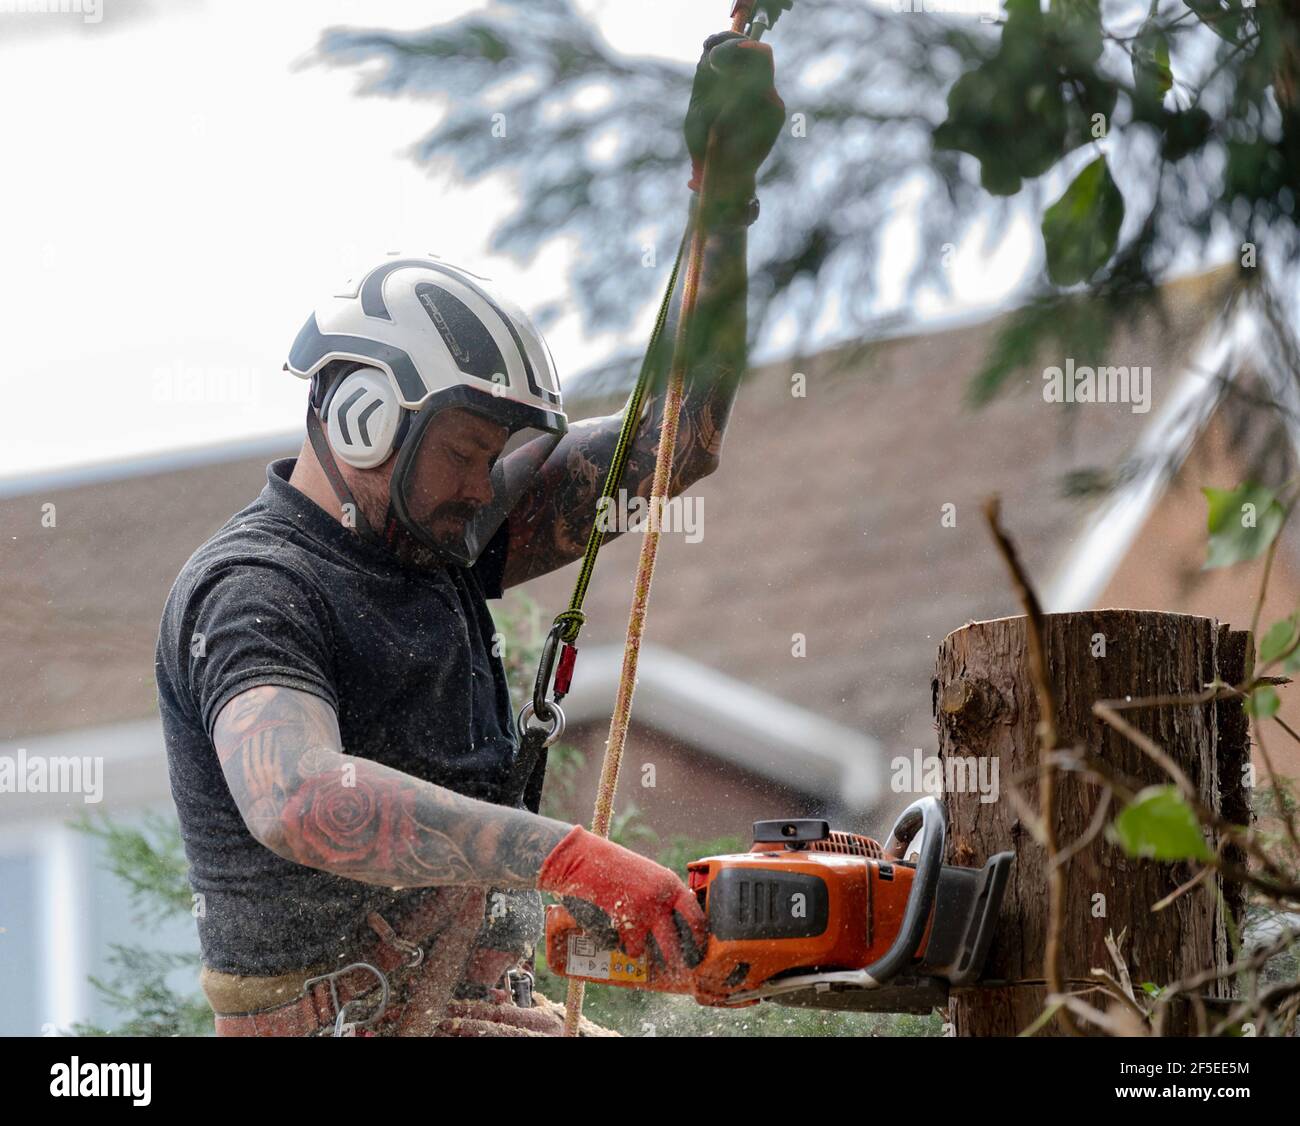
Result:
[[985, 705]]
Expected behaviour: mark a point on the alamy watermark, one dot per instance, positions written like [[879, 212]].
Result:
[[956, 774], [102, 1080], [676, 514], [22, 773], [987, 10], [90, 11], [1083, 384], [203, 383]]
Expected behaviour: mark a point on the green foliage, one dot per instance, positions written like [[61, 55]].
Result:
[[1158, 824], [1281, 640], [139, 990], [1042, 94], [1081, 228], [520, 635], [1263, 702], [1071, 326], [626, 829], [150, 862], [1033, 100], [1241, 522], [1223, 118], [593, 142], [1226, 18], [1152, 75], [559, 795], [680, 850]]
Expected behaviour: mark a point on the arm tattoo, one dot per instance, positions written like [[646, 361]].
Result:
[[550, 525], [306, 800]]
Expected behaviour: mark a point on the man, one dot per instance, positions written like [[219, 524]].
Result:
[[339, 731]]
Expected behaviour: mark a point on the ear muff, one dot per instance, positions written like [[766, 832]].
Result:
[[362, 417]]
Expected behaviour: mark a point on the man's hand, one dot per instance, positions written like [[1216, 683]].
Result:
[[734, 93], [648, 906]]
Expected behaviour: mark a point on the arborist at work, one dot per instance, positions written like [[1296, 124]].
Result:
[[339, 734]]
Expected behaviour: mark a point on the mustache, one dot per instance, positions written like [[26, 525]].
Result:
[[457, 510]]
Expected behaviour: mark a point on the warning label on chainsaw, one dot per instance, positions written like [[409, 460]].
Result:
[[585, 959]]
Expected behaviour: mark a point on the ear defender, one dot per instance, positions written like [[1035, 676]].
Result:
[[363, 419]]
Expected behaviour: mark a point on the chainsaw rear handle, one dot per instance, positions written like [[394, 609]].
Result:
[[923, 814]]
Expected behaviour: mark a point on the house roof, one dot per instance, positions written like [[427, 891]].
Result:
[[825, 518]]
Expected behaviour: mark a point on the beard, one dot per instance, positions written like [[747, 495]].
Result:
[[446, 525]]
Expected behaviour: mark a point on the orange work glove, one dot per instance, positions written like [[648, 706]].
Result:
[[647, 906]]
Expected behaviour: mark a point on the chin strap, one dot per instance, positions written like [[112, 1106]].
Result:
[[325, 456]]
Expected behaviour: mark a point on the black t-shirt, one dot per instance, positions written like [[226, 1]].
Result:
[[284, 594]]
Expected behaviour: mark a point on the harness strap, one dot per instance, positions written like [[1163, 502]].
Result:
[[325, 457]]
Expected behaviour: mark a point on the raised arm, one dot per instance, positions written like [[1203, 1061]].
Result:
[[307, 800], [734, 96], [550, 524]]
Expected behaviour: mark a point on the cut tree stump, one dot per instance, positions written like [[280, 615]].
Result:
[[984, 704]]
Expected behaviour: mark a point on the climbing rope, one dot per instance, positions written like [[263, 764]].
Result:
[[744, 20]]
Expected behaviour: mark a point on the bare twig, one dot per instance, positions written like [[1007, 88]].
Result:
[[1047, 738], [1254, 1006], [1111, 1023], [1182, 889], [1283, 815], [1095, 826], [1116, 991], [1106, 710], [1113, 948], [1196, 981]]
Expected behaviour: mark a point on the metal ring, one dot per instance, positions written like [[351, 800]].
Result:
[[332, 977], [528, 711]]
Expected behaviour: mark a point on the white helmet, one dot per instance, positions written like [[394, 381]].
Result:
[[409, 339]]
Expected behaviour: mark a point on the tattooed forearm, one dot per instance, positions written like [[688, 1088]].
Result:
[[309, 802], [550, 525], [715, 359]]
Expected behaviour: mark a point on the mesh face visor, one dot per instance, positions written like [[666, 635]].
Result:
[[467, 459]]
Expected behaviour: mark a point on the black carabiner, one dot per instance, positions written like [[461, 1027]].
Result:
[[545, 673]]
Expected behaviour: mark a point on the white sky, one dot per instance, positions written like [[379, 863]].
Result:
[[174, 203]]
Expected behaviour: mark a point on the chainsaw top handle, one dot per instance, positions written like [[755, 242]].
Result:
[[923, 814]]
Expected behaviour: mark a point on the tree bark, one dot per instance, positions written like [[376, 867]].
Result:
[[985, 705]]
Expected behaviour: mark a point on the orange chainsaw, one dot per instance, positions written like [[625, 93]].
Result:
[[818, 919]]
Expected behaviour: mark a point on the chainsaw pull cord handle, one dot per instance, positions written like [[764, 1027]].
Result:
[[926, 815]]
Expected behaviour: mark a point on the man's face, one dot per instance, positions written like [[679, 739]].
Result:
[[450, 479]]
